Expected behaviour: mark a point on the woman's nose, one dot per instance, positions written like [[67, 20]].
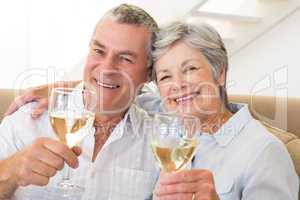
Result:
[[179, 84]]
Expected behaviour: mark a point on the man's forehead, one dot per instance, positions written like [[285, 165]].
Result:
[[112, 33]]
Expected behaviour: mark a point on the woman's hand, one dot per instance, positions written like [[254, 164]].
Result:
[[195, 184], [39, 94]]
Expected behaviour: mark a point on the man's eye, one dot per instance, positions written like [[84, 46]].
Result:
[[126, 59], [99, 51]]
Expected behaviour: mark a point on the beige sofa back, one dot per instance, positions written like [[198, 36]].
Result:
[[283, 113], [6, 97]]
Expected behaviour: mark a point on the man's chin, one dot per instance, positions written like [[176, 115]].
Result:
[[112, 109]]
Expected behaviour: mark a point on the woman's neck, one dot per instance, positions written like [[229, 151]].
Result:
[[213, 122]]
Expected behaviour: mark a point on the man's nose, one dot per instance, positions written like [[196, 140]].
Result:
[[107, 63]]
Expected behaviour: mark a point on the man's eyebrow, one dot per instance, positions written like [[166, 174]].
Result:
[[128, 52], [97, 43], [125, 52]]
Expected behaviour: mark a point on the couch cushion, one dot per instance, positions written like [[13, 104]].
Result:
[[291, 141], [280, 112]]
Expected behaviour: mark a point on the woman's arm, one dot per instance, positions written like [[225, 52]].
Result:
[[39, 94]]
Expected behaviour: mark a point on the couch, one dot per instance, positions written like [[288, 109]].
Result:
[[279, 115]]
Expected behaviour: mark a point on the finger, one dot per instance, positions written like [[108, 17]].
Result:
[[42, 169], [183, 187], [19, 101], [28, 177], [40, 108], [36, 179], [185, 176], [77, 150], [48, 157], [14, 106], [206, 191], [180, 196], [63, 151]]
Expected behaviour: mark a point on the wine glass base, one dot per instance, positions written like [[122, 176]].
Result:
[[67, 191]]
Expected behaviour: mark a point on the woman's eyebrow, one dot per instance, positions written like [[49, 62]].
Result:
[[187, 61], [162, 71]]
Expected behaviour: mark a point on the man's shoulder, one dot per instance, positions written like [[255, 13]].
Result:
[[24, 112], [19, 129], [21, 120]]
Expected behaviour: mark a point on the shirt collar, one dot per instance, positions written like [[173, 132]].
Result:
[[131, 124], [234, 125], [131, 119]]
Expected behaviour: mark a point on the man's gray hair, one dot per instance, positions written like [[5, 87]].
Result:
[[130, 14], [199, 36]]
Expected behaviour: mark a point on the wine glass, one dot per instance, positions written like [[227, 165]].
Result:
[[173, 140], [71, 114]]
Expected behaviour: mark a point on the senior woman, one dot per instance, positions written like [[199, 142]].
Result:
[[237, 158]]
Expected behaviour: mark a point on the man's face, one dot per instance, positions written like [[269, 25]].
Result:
[[117, 64]]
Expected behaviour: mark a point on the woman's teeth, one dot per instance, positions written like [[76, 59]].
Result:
[[106, 85], [181, 99]]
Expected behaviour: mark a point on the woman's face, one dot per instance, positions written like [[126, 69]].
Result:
[[186, 83]]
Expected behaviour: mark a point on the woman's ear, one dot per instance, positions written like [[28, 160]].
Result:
[[222, 77]]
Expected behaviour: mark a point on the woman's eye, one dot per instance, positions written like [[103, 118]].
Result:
[[164, 78], [191, 68]]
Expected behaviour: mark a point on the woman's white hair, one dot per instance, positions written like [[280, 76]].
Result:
[[202, 37]]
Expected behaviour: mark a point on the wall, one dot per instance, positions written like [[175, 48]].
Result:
[[270, 65]]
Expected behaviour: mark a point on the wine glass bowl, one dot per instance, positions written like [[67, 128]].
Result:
[[173, 140], [71, 115]]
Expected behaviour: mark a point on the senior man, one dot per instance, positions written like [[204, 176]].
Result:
[[116, 161]]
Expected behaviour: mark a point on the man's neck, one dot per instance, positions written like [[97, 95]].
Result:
[[104, 126]]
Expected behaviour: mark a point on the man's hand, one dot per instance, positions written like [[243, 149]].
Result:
[[39, 94], [195, 184], [37, 163]]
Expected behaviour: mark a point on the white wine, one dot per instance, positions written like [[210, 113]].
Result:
[[174, 157], [67, 127]]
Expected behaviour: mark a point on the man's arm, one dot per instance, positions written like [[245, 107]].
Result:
[[35, 165], [31, 164], [39, 94], [7, 185]]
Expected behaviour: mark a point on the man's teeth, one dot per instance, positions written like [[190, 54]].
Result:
[[106, 85], [178, 100]]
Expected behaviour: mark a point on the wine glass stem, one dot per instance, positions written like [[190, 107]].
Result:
[[66, 174]]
